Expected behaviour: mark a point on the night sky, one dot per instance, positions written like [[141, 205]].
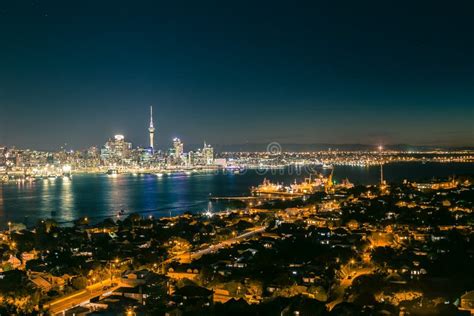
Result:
[[234, 72]]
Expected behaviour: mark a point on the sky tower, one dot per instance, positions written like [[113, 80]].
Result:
[[382, 181], [151, 129]]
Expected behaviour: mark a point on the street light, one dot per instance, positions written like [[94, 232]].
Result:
[[351, 264]]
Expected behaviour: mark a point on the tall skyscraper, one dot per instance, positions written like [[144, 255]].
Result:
[[116, 149], [151, 129], [178, 148], [177, 153], [208, 154]]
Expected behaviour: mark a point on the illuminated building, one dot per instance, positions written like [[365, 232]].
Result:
[[92, 152], [116, 149], [208, 154], [200, 157], [309, 185], [446, 185], [178, 149], [191, 158], [268, 187]]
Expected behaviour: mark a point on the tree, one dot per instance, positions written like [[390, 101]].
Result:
[[383, 255], [254, 288], [318, 292], [132, 219], [365, 287], [242, 225], [290, 291], [83, 221], [178, 245], [79, 283], [16, 296]]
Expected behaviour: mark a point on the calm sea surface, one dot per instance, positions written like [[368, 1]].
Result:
[[99, 196]]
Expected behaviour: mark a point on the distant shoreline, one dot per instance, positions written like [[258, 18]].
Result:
[[243, 167]]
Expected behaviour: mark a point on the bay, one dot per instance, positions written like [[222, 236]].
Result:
[[99, 196]]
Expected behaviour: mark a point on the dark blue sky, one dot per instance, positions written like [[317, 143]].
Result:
[[231, 72]]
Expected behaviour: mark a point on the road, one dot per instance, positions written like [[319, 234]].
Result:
[[61, 305], [345, 283], [188, 257]]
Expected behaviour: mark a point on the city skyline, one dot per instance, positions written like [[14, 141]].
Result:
[[236, 74], [236, 158], [152, 134], [295, 147]]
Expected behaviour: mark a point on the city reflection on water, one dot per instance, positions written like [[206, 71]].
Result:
[[98, 196]]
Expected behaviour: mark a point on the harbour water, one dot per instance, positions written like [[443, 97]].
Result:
[[99, 196]]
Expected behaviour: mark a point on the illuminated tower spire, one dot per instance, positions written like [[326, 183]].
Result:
[[382, 181], [151, 129]]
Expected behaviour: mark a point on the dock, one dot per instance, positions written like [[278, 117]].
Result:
[[260, 197]]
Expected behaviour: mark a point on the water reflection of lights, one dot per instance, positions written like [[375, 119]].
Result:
[[67, 199], [117, 192]]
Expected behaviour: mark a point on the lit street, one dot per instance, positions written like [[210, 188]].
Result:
[[188, 257], [59, 306]]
